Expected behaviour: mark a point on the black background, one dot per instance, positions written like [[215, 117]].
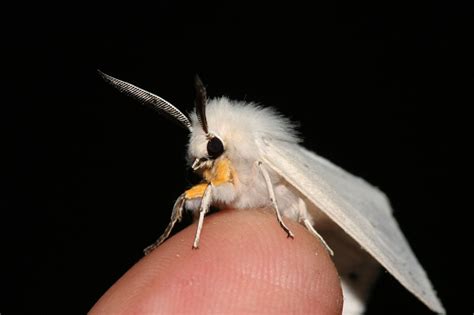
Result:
[[90, 176]]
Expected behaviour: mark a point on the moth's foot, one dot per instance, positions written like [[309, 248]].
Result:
[[153, 246], [289, 234], [149, 249]]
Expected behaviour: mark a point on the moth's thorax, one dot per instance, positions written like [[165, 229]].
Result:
[[234, 175], [237, 125]]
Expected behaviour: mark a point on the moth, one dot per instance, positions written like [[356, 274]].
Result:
[[250, 157]]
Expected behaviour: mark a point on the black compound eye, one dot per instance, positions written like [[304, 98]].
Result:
[[215, 148]]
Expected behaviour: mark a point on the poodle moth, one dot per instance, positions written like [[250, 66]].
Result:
[[250, 157]]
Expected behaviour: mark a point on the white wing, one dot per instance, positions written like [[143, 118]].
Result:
[[360, 209]]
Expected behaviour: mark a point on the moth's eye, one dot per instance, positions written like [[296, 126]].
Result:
[[215, 148]]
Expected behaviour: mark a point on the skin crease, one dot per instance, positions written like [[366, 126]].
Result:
[[244, 264]]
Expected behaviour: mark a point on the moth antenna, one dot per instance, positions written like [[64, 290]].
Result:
[[200, 103], [148, 98]]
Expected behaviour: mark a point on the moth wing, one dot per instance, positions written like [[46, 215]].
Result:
[[359, 208]]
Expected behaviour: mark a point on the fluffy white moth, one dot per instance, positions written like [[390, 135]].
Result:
[[250, 157]]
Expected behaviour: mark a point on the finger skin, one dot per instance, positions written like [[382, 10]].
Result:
[[245, 264]]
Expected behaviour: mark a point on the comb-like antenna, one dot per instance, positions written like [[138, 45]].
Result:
[[200, 102], [148, 98]]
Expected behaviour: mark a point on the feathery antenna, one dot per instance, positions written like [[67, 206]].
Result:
[[200, 102], [148, 98]]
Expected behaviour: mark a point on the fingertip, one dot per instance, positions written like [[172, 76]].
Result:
[[244, 264]]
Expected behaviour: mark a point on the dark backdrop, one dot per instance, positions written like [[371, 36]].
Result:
[[91, 176]]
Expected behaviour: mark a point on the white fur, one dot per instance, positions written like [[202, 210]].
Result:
[[238, 125]]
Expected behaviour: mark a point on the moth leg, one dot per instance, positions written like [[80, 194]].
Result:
[[176, 216], [271, 192], [313, 231], [309, 225], [203, 209]]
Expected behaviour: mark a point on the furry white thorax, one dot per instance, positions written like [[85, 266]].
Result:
[[238, 125]]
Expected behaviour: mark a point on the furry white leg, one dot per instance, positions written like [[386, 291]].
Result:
[[304, 216], [313, 231], [203, 209], [271, 192], [176, 216]]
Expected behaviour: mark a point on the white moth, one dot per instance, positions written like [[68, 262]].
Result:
[[250, 157]]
